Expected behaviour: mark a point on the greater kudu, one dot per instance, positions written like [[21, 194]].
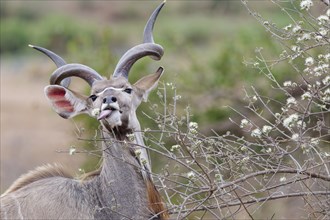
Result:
[[122, 188]]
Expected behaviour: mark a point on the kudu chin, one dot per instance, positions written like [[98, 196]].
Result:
[[122, 188]]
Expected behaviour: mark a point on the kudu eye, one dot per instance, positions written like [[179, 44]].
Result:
[[93, 97], [128, 90]]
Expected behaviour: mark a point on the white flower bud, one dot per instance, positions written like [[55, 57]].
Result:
[[95, 112], [191, 175]]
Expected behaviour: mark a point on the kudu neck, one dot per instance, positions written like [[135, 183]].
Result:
[[118, 145], [120, 176]]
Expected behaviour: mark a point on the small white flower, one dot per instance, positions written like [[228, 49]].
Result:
[[323, 19], [328, 13], [193, 125], [306, 4], [306, 95], [326, 80], [317, 68], [175, 147], [254, 98], [305, 148], [296, 29], [325, 66], [131, 137], [289, 121], [266, 129], [138, 152], [72, 150], [309, 61], [95, 112], [177, 97], [326, 97], [323, 31], [256, 133], [81, 170], [269, 150], [282, 179], [318, 37], [144, 161], [244, 123], [245, 159], [306, 36], [301, 124], [295, 48], [291, 101], [315, 141], [287, 27], [244, 148], [191, 175], [287, 83], [295, 137], [327, 57]]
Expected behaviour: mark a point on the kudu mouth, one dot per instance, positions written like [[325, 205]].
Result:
[[107, 110]]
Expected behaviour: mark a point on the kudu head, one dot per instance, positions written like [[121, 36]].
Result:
[[112, 101]]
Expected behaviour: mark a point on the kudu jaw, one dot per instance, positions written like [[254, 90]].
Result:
[[113, 102]]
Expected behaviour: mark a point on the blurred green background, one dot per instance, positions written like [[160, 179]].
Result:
[[205, 43]]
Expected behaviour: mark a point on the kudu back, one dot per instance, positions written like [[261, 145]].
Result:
[[122, 188]]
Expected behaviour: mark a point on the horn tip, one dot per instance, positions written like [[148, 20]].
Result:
[[32, 46]]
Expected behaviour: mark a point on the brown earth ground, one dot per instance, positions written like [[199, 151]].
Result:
[[31, 132]]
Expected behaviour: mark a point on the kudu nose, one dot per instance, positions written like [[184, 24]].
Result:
[[109, 100]]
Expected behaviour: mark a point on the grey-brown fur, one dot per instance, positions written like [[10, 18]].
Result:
[[117, 192]]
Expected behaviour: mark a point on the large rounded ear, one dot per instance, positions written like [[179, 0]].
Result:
[[65, 102], [148, 83]]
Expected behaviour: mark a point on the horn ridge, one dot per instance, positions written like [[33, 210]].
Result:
[[155, 51], [77, 70]]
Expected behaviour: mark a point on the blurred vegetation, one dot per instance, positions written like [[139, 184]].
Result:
[[205, 46]]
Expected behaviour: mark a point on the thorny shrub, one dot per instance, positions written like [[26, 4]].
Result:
[[285, 150]]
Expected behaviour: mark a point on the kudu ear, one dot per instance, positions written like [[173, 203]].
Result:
[[65, 102], [146, 84]]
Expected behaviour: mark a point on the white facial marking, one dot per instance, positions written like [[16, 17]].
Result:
[[95, 112], [110, 88]]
